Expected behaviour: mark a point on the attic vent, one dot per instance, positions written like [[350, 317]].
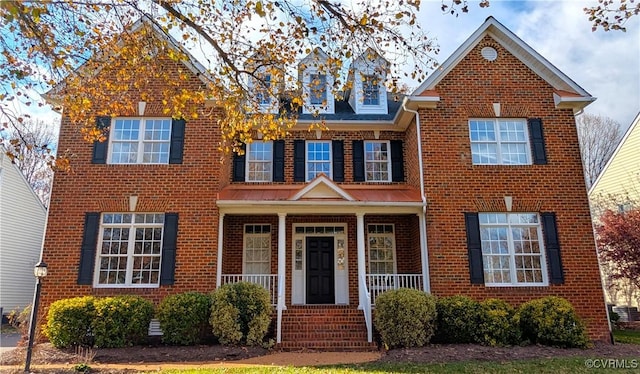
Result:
[[489, 53]]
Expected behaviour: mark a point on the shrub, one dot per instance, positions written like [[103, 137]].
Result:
[[405, 318], [458, 319], [498, 324], [241, 313], [69, 322], [184, 318], [121, 321], [552, 321]]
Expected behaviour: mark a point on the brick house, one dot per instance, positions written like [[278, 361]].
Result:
[[471, 185]]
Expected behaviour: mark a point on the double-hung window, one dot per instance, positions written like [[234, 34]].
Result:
[[512, 249], [263, 90], [370, 90], [259, 162], [377, 161], [318, 159], [499, 142], [381, 239], [318, 89], [257, 249], [129, 250], [140, 141]]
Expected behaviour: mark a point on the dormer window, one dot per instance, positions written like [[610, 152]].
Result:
[[370, 90], [262, 95], [318, 89]]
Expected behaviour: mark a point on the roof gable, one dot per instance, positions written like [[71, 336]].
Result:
[[568, 93], [322, 188]]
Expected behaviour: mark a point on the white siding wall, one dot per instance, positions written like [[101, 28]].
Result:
[[22, 221]]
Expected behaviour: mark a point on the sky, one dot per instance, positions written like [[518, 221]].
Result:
[[605, 64]]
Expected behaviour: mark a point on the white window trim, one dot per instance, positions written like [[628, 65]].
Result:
[[512, 265], [498, 141], [245, 236], [309, 108], [129, 272], [306, 158], [272, 106], [141, 141], [247, 162], [381, 107], [389, 173], [393, 242]]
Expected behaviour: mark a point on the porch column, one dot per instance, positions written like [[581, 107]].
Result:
[[424, 253], [219, 259], [362, 269], [282, 262]]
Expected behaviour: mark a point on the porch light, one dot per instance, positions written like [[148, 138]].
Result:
[[40, 271]]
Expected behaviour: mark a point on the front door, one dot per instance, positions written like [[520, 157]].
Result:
[[320, 271]]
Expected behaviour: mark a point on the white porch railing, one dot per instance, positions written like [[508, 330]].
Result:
[[268, 281], [365, 301], [379, 283]]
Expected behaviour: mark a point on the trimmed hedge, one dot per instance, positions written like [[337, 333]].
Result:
[[184, 318], [121, 321], [458, 319], [552, 321], [69, 322], [241, 313], [405, 318]]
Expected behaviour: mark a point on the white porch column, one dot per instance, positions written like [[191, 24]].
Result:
[[424, 252], [362, 269], [282, 263], [219, 259]]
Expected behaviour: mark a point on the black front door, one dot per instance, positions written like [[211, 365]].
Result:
[[320, 272]]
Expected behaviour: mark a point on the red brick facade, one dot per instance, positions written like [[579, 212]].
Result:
[[452, 187]]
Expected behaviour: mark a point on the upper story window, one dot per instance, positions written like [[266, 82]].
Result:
[[259, 162], [499, 142], [370, 90], [377, 161], [140, 141], [318, 159], [257, 249], [129, 250], [512, 249], [318, 89]]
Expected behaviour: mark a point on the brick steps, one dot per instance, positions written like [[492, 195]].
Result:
[[324, 327]]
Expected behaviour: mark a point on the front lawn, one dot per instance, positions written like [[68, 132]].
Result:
[[627, 336]]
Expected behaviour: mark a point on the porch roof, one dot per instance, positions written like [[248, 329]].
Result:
[[324, 197]]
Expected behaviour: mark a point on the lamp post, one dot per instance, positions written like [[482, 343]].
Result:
[[40, 271]]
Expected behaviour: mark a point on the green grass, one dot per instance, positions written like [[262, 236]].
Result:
[[627, 336], [551, 366], [7, 329]]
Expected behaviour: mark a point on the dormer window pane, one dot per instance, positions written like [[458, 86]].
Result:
[[318, 89], [263, 90], [370, 90]]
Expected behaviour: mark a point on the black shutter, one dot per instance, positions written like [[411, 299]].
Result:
[[169, 243], [177, 141], [239, 165], [337, 147], [88, 248], [298, 160], [278, 161], [358, 160], [474, 248], [537, 141], [100, 149], [552, 245], [397, 161]]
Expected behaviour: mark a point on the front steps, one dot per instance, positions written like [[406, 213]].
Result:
[[324, 327]]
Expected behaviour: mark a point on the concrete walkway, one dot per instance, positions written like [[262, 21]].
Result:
[[8, 341]]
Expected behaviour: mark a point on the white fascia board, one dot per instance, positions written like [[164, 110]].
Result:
[[313, 207], [576, 103]]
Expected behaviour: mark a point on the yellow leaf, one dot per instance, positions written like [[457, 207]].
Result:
[[364, 20], [259, 9]]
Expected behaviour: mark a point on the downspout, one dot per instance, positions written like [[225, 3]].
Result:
[[422, 217]]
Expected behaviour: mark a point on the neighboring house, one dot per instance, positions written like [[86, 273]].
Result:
[[22, 224], [471, 185], [618, 188], [618, 185]]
